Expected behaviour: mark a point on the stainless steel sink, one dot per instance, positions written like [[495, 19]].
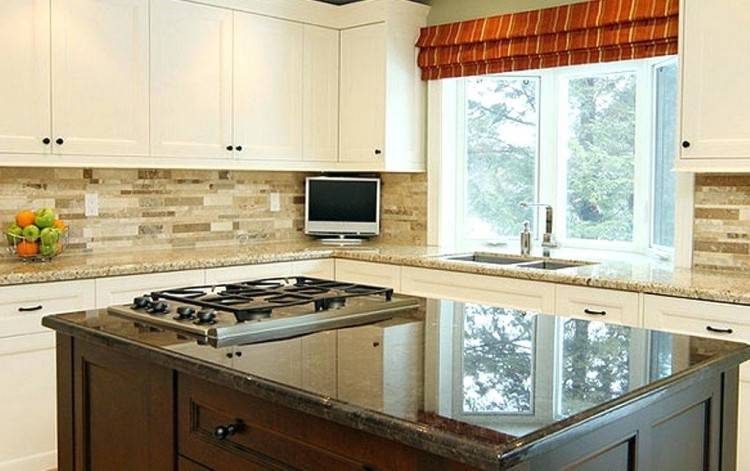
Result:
[[487, 258], [514, 261], [550, 265]]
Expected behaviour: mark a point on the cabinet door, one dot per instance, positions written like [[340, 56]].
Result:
[[27, 402], [268, 95], [191, 80], [363, 94], [100, 77], [715, 102], [24, 76], [321, 94]]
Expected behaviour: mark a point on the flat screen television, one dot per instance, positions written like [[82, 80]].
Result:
[[341, 206]]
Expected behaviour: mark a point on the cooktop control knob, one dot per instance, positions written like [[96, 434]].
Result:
[[141, 302], [185, 313], [206, 316], [159, 307]]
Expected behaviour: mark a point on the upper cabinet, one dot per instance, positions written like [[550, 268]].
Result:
[[24, 76], [100, 77], [714, 39], [191, 80], [320, 99], [184, 84], [268, 57], [363, 93], [382, 96]]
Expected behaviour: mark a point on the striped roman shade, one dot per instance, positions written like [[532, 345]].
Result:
[[580, 33]]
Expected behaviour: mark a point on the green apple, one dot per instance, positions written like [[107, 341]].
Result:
[[44, 218], [48, 250], [49, 236], [31, 233], [14, 234]]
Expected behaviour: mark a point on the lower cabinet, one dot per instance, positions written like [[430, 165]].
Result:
[[122, 289], [505, 292], [27, 403], [367, 273]]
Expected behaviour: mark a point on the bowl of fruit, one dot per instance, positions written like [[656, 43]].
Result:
[[37, 235]]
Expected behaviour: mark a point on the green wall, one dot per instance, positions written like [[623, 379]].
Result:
[[449, 11]]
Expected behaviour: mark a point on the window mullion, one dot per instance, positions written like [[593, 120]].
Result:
[[644, 139], [547, 159]]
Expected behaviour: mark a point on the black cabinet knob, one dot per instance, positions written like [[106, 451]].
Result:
[[685, 144], [378, 151], [239, 148], [230, 148], [46, 141], [59, 141], [223, 431]]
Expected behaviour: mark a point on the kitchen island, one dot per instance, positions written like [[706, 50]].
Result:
[[446, 386]]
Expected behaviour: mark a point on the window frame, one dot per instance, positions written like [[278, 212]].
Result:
[[550, 172]]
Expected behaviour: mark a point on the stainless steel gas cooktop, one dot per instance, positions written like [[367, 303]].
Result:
[[267, 309]]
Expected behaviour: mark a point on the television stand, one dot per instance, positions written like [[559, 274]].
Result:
[[340, 240]]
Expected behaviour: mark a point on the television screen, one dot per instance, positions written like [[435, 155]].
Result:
[[342, 205]]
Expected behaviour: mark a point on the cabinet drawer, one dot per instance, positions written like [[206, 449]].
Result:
[[122, 289], [504, 292], [266, 436], [617, 307], [700, 318], [377, 274], [23, 306]]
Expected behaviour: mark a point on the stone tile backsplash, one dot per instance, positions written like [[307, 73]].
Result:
[[192, 208], [721, 234]]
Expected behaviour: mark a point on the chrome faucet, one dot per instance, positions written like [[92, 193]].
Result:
[[548, 240]]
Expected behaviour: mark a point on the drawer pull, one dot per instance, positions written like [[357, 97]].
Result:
[[224, 431], [28, 309], [719, 331], [593, 312]]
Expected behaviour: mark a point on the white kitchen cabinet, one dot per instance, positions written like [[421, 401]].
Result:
[[368, 273], [363, 94], [595, 304], [191, 80], [382, 96], [100, 98], [268, 58], [24, 76], [322, 268], [27, 362], [23, 306], [701, 318], [466, 287], [715, 128], [28, 403], [320, 113], [122, 289]]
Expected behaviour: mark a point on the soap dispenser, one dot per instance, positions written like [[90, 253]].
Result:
[[526, 239]]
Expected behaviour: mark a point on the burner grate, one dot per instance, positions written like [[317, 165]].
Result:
[[250, 300]]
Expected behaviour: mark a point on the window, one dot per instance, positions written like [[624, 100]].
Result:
[[596, 142]]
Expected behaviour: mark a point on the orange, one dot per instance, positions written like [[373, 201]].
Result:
[[27, 249], [25, 218], [59, 225]]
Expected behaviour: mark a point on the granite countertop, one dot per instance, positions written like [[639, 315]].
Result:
[[487, 407], [645, 276]]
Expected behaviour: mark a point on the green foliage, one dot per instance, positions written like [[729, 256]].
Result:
[[500, 170], [601, 159]]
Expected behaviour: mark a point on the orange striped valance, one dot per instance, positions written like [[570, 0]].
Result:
[[591, 31]]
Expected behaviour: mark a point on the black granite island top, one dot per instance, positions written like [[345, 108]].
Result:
[[485, 386]]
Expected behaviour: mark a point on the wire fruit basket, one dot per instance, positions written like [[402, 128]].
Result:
[[38, 250]]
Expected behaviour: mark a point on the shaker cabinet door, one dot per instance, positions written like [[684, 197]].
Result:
[[24, 76], [100, 77], [363, 94], [321, 94], [191, 80], [715, 102], [268, 88]]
